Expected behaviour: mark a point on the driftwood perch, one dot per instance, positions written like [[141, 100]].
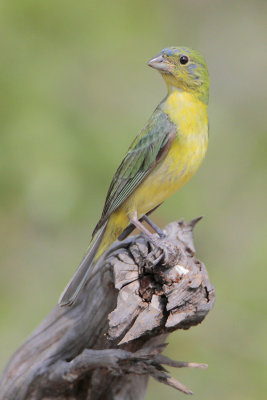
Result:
[[110, 341]]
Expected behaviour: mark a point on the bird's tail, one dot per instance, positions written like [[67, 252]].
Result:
[[78, 280]]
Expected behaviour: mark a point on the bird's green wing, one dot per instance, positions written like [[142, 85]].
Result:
[[148, 148]]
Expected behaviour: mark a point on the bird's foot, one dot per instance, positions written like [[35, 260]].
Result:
[[162, 251], [166, 253]]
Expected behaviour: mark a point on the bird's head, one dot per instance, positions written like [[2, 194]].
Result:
[[183, 68]]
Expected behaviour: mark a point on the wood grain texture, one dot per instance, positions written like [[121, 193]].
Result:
[[110, 341]]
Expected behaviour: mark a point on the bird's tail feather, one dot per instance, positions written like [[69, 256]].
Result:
[[78, 280]]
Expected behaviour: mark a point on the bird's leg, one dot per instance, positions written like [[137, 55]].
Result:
[[138, 224], [156, 241], [154, 226], [127, 231]]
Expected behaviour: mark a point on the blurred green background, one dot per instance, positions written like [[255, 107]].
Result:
[[75, 90]]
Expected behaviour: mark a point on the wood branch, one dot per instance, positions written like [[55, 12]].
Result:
[[109, 342]]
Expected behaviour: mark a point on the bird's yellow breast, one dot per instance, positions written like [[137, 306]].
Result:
[[189, 115]]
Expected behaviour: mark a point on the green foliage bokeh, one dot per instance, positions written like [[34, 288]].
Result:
[[75, 90]]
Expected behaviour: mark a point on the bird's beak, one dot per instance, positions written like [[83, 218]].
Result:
[[160, 64]]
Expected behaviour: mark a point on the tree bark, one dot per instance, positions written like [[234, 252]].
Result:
[[109, 342]]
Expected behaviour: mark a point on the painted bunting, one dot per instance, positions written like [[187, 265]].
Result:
[[161, 159]]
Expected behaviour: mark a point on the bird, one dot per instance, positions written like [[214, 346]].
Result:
[[161, 159]]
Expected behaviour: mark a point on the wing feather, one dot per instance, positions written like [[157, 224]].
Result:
[[149, 147]]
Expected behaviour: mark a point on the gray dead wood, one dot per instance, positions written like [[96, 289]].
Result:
[[109, 342]]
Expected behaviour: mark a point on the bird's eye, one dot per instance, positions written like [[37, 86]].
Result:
[[184, 60]]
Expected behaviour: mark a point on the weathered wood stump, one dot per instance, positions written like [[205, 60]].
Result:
[[110, 341]]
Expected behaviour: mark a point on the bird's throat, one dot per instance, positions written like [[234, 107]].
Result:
[[188, 113]]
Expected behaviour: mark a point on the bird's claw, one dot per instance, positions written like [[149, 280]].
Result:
[[166, 251]]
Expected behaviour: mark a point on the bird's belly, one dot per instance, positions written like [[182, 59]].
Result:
[[171, 174]]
